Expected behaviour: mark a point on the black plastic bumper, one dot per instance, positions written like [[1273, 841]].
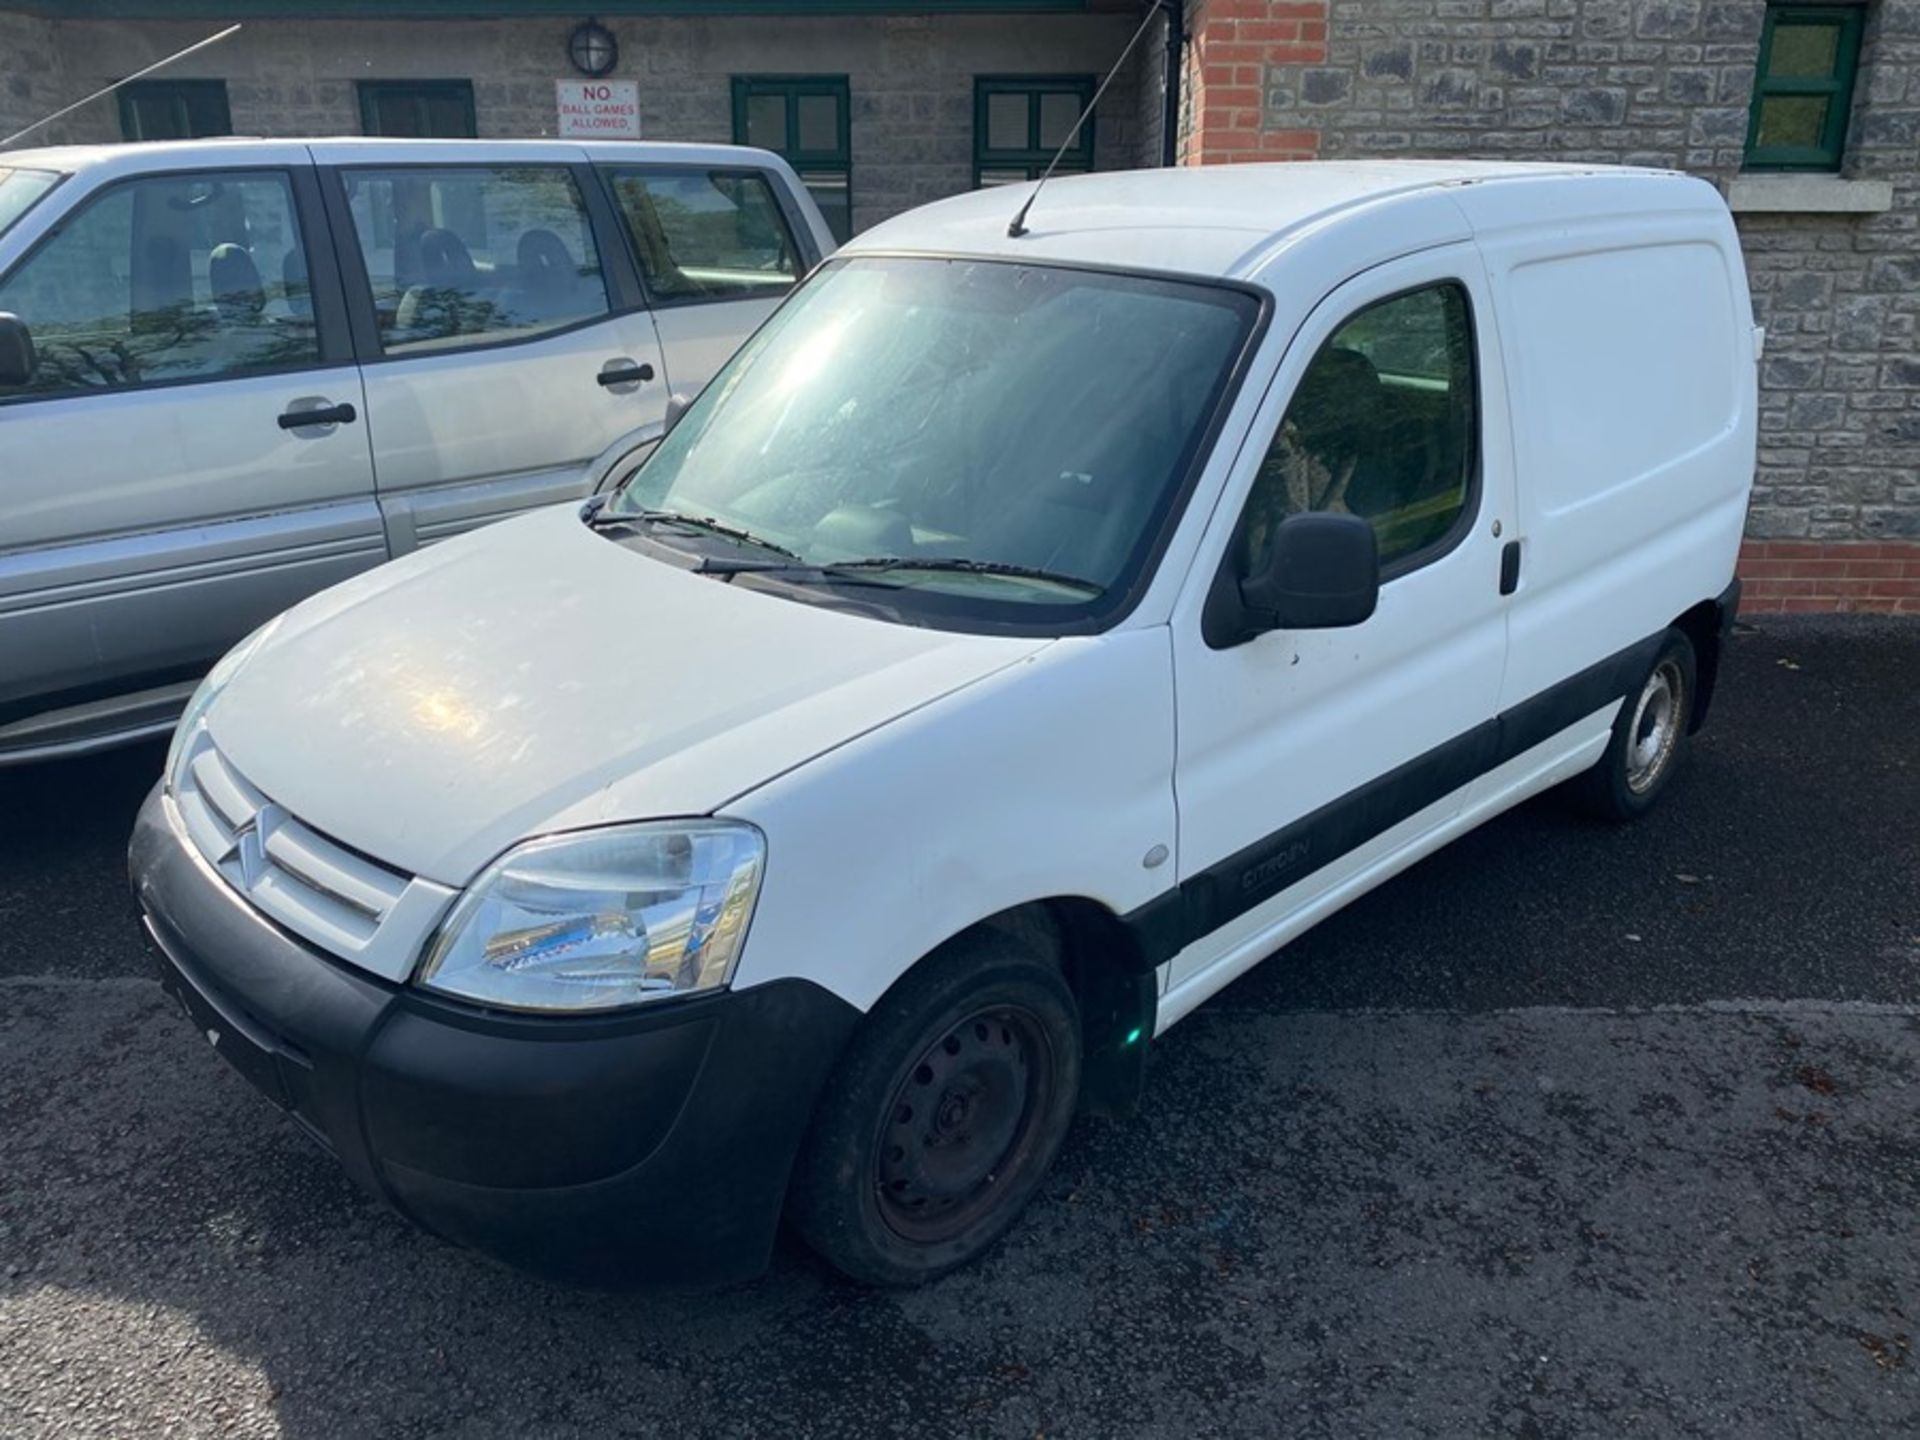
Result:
[[647, 1146]]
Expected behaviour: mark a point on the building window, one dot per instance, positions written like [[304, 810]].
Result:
[[804, 119], [1803, 88], [418, 109], [174, 109], [1019, 121]]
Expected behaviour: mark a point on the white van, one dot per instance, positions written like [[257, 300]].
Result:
[[1020, 639], [235, 372]]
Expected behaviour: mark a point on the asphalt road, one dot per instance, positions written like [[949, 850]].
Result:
[[1569, 1131]]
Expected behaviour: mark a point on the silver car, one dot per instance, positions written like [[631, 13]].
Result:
[[235, 372]]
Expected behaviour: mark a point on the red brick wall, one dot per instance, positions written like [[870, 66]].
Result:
[[1797, 576], [1232, 42]]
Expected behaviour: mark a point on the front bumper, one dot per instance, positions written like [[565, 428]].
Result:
[[653, 1145]]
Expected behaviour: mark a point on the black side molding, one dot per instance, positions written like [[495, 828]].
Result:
[[1726, 609], [1255, 874]]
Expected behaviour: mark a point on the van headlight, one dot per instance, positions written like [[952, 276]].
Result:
[[218, 678], [602, 918]]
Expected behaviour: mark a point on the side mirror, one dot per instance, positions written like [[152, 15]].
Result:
[[17, 359], [677, 406], [1322, 573]]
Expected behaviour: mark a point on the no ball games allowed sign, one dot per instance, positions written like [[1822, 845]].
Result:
[[598, 109]]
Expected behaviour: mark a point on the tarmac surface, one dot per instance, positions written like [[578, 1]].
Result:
[[1570, 1130]]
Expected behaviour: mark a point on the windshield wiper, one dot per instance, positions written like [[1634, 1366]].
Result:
[[602, 518], [961, 565]]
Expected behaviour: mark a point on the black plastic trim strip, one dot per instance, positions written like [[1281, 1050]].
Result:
[[350, 264], [1726, 609], [1257, 872], [619, 270], [27, 706]]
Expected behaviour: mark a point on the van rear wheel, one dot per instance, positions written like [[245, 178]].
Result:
[[943, 1117], [1649, 739]]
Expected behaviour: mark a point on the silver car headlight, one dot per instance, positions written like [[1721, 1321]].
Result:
[[218, 678], [602, 918]]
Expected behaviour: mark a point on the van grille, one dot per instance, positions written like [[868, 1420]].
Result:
[[348, 905]]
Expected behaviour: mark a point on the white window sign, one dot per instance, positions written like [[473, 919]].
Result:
[[598, 109]]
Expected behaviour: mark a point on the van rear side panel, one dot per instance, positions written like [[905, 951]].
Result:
[[1627, 332]]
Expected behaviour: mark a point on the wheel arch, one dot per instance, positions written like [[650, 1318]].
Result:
[[1707, 626], [1113, 982]]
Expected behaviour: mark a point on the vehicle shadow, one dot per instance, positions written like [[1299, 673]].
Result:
[[65, 906]]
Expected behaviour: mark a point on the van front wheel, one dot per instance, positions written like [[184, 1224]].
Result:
[[1649, 739], [944, 1115]]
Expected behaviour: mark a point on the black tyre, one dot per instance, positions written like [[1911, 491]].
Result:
[[944, 1115], [1649, 739]]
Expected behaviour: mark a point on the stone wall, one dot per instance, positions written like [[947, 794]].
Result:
[[1653, 82], [910, 77], [1149, 83], [31, 83]]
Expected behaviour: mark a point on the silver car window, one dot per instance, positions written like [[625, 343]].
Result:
[[20, 191], [474, 255], [707, 234], [165, 279]]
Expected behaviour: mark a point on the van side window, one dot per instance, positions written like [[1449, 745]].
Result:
[[474, 255], [707, 234], [1382, 425], [178, 277]]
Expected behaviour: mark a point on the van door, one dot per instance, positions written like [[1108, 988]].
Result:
[[1634, 448], [1306, 759], [505, 348], [716, 251], [161, 492]]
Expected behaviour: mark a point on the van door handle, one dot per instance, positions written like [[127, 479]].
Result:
[[1510, 567], [298, 419], [624, 372]]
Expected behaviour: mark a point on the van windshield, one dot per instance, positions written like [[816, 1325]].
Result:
[[982, 440], [20, 191]]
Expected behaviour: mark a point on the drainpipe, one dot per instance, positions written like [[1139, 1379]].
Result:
[[1170, 121]]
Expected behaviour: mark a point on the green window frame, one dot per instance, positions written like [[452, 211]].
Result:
[[174, 110], [1802, 96], [767, 114], [1002, 163], [418, 109]]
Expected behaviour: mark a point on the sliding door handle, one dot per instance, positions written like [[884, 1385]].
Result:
[[1510, 567]]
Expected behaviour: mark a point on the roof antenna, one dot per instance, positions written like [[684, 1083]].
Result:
[[1018, 226], [138, 74]]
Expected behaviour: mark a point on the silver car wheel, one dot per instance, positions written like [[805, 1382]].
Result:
[[1658, 717]]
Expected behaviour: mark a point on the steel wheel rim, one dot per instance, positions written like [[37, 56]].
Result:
[[965, 1117], [1655, 731]]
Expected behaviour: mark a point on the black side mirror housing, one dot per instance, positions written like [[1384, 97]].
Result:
[[17, 358], [1322, 573]]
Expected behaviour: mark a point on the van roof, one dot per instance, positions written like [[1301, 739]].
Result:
[[1225, 220], [176, 154]]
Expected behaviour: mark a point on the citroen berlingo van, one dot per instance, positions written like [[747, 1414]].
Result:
[[235, 372], [1023, 635]]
